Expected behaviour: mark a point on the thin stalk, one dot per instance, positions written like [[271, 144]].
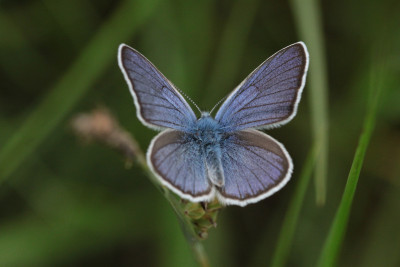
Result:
[[307, 14], [187, 227], [337, 232], [86, 126], [292, 215]]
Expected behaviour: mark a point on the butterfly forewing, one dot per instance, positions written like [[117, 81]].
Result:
[[255, 167], [179, 164], [269, 96], [158, 103]]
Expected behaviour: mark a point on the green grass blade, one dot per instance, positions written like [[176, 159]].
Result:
[[336, 234], [98, 54], [292, 214], [308, 18]]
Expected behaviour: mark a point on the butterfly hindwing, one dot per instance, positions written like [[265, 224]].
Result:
[[255, 167], [179, 164], [269, 96], [158, 103]]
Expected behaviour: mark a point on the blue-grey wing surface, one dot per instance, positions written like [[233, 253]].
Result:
[[158, 103], [269, 96], [255, 167], [180, 165]]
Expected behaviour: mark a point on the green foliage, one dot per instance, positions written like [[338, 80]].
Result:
[[337, 232], [57, 103]]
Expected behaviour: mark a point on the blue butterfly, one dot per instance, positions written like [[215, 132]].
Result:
[[224, 157]]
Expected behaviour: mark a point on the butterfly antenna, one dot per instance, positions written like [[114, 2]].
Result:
[[219, 102], [187, 97]]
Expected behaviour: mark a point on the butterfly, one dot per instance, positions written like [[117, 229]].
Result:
[[221, 157]]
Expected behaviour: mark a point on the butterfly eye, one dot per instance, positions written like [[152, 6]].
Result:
[[197, 137]]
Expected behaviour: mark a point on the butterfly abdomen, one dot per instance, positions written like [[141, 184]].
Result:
[[208, 136], [214, 168]]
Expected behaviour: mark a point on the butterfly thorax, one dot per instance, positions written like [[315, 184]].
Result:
[[208, 135], [207, 130]]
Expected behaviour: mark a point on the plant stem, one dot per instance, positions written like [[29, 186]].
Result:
[[309, 20], [291, 218], [337, 232], [101, 126]]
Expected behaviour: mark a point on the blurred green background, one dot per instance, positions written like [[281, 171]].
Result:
[[63, 203]]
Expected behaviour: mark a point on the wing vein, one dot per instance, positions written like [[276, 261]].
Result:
[[166, 156], [262, 105], [274, 69], [248, 182], [155, 78], [272, 164], [280, 73], [277, 57], [162, 106], [257, 178], [178, 125]]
